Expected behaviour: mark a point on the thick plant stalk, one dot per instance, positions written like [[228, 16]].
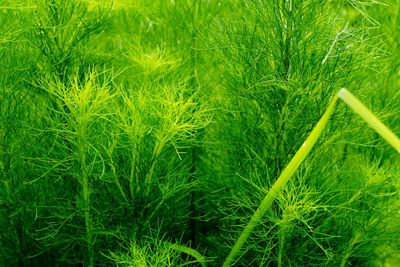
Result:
[[301, 154], [281, 247], [84, 178], [369, 118], [281, 181]]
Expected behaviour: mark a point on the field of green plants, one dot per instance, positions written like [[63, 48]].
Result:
[[199, 133]]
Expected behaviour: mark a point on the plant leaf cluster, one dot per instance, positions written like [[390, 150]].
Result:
[[147, 133]]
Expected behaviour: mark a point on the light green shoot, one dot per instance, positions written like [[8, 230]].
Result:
[[302, 153], [369, 118], [192, 252]]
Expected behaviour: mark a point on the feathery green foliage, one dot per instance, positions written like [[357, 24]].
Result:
[[147, 133]]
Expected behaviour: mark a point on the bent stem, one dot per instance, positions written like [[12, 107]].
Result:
[[192, 252], [281, 181], [369, 118], [302, 153]]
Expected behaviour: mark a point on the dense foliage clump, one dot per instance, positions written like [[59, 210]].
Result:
[[148, 133]]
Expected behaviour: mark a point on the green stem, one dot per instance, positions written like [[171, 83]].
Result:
[[121, 190], [149, 175], [281, 182], [301, 154], [350, 248], [88, 219], [132, 176], [193, 223], [369, 118], [192, 252], [357, 238], [85, 190], [281, 246]]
